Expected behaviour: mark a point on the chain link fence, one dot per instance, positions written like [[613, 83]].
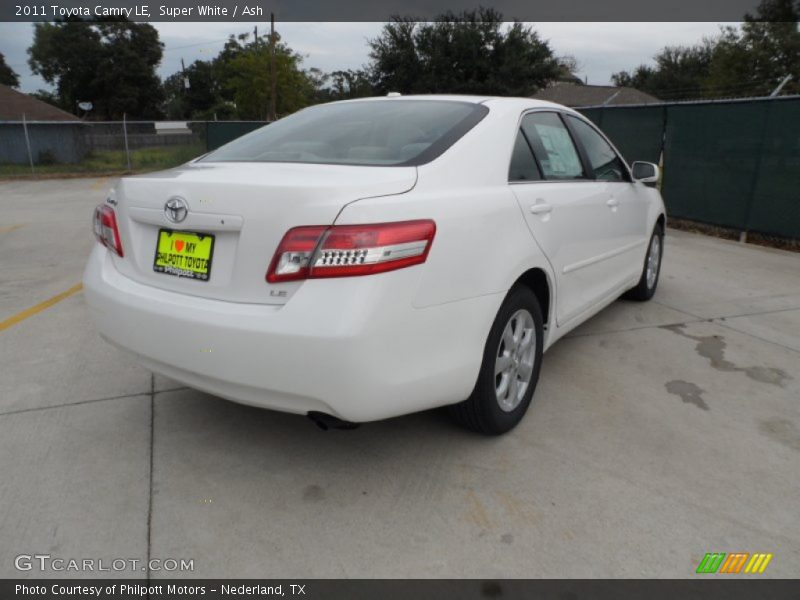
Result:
[[75, 147], [732, 164]]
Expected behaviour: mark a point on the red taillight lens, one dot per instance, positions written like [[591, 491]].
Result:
[[350, 250], [292, 258], [106, 230]]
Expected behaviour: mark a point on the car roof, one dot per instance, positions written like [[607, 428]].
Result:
[[491, 100], [497, 104], [437, 97]]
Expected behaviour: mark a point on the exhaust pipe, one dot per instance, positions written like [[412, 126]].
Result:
[[325, 421]]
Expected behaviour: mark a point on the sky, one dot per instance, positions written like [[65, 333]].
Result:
[[600, 48]]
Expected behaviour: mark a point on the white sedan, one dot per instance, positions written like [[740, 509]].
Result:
[[366, 259]]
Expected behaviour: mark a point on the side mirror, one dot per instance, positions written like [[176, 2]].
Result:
[[645, 172]]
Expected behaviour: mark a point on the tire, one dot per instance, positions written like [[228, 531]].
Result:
[[647, 285], [492, 409]]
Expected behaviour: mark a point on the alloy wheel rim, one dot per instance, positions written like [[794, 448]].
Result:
[[653, 258], [514, 360]]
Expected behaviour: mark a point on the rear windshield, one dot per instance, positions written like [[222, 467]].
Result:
[[381, 132]]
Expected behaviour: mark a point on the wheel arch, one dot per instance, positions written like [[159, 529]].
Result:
[[538, 281]]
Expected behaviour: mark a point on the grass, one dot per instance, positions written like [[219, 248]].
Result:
[[111, 161]]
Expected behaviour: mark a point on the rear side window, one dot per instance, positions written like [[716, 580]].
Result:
[[523, 166], [553, 146], [373, 132], [605, 163]]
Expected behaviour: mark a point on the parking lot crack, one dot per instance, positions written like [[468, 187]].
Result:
[[723, 323], [759, 313], [627, 329], [680, 310], [69, 404]]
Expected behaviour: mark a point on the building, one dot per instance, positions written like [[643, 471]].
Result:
[[14, 104], [575, 94], [55, 136]]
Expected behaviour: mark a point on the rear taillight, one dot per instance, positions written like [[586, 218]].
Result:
[[350, 250], [106, 230], [293, 256]]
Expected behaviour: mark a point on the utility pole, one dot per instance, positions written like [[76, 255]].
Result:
[[185, 88], [272, 71], [185, 77]]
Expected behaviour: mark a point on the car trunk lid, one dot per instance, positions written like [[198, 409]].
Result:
[[247, 207]]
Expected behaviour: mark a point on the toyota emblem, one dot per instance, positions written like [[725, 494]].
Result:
[[176, 209]]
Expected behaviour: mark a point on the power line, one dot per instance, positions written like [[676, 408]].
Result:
[[170, 49], [195, 45]]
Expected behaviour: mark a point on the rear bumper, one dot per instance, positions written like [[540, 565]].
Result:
[[354, 348]]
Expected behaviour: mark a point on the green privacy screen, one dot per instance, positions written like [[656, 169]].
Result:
[[734, 164], [710, 160], [635, 131], [776, 194], [222, 132]]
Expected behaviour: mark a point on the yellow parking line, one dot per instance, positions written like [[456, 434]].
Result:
[[29, 312], [9, 228]]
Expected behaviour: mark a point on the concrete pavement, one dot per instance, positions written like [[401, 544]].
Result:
[[660, 431]]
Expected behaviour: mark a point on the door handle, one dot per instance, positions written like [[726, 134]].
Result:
[[612, 202], [541, 208]]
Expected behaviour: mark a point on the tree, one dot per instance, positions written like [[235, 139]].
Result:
[[236, 83], [111, 63], [680, 72], [756, 59], [395, 61], [747, 61], [7, 74], [249, 83], [208, 96], [350, 84], [568, 67], [466, 53], [198, 100], [46, 96]]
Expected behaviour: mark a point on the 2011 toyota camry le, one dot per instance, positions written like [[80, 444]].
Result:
[[364, 259]]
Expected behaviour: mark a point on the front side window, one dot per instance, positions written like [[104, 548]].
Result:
[[605, 163], [553, 146], [373, 132], [523, 166]]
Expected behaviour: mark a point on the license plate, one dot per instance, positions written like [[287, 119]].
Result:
[[184, 254]]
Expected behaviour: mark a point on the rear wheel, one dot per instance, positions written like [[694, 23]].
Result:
[[510, 369], [648, 282]]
